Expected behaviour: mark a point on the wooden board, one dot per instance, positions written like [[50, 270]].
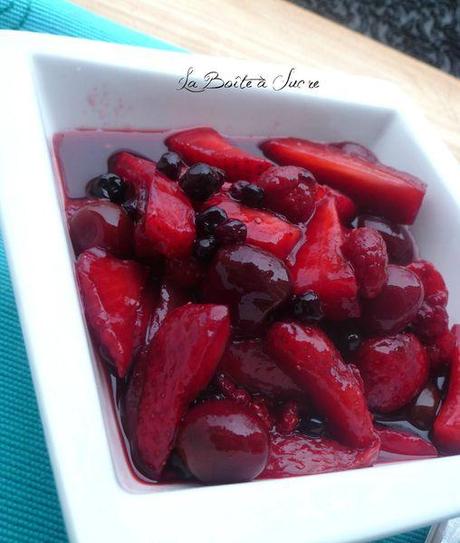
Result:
[[278, 31]]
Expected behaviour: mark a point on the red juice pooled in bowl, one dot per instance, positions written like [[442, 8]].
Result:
[[259, 303]]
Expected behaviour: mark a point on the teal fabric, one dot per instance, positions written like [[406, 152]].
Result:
[[29, 507], [417, 536], [63, 18]]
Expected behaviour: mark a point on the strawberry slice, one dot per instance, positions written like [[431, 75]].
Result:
[[168, 224], [355, 149], [377, 188], [149, 303], [319, 265], [207, 145], [138, 172], [404, 442], [170, 297], [308, 356], [346, 208], [297, 454], [181, 361], [144, 250], [250, 366], [116, 303], [264, 230], [446, 427], [160, 304], [131, 395]]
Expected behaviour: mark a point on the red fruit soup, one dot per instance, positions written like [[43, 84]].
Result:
[[258, 305]]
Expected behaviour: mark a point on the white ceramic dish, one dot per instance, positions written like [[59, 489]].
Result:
[[52, 84]]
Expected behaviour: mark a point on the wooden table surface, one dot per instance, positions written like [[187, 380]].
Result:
[[278, 31]]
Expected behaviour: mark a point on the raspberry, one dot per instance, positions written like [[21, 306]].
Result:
[[440, 351], [431, 321], [290, 191], [367, 252], [231, 391], [288, 418]]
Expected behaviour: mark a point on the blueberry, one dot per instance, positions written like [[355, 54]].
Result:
[[307, 307], [346, 335], [248, 193], [108, 186], [170, 164], [314, 427], [237, 189], [205, 248], [201, 181], [231, 231], [130, 206], [207, 221], [352, 341]]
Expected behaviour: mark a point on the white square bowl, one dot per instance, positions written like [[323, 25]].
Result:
[[51, 84]]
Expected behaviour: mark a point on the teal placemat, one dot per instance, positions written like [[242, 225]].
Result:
[[29, 508]]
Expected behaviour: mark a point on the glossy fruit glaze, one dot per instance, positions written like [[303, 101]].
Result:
[[258, 320]]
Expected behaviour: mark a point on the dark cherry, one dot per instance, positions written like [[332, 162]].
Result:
[[231, 232], [423, 410], [72, 205], [251, 281], [356, 149], [201, 181], [204, 248], [170, 164], [207, 221], [307, 307], [107, 186], [102, 224], [400, 244], [248, 193], [396, 305], [223, 442]]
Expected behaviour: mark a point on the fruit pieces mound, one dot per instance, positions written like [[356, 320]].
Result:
[[261, 320]]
